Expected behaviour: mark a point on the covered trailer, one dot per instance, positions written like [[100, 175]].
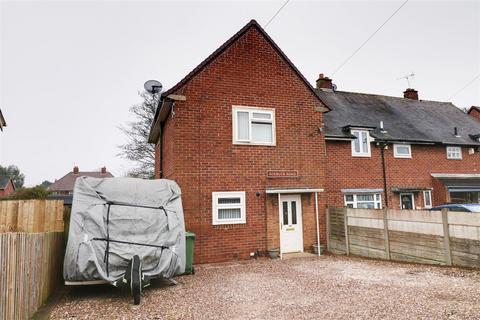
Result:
[[125, 231]]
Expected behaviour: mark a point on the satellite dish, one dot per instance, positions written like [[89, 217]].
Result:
[[153, 86], [334, 87]]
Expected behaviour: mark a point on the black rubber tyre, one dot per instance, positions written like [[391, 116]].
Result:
[[136, 279]]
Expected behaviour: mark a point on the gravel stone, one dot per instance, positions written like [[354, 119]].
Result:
[[329, 287]]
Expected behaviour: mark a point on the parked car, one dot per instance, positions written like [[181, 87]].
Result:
[[467, 207]]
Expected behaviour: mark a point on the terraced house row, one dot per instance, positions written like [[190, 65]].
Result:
[[259, 153]]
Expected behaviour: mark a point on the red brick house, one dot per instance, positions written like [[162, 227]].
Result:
[[64, 185], [398, 152], [7, 186], [474, 112], [259, 153], [241, 136]]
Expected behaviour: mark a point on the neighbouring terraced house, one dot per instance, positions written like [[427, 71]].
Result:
[[259, 153]]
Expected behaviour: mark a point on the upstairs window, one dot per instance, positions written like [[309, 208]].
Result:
[[228, 207], [454, 153], [253, 126], [361, 145], [402, 151], [363, 200]]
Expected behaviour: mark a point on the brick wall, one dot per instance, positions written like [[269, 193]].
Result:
[[347, 172], [8, 190], [475, 112], [202, 158]]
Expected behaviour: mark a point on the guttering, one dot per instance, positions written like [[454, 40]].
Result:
[[163, 109]]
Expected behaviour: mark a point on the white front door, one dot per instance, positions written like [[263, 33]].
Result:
[[291, 229]]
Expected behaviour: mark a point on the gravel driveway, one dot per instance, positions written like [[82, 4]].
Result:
[[330, 287]]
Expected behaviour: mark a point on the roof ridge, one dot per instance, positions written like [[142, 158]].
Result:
[[386, 96], [252, 24]]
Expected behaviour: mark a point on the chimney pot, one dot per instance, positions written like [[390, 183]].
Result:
[[324, 82], [104, 170], [410, 94], [75, 170]]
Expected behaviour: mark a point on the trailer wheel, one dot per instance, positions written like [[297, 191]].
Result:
[[136, 279]]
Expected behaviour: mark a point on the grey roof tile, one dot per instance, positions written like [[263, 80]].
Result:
[[404, 119]]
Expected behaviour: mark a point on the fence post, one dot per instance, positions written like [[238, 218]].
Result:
[[328, 229], [345, 222], [446, 237], [385, 233]]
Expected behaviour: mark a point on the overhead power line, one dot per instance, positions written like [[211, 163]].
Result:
[[368, 39], [465, 86], [276, 14]]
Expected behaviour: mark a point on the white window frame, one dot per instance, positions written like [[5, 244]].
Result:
[[399, 155], [453, 149], [362, 153], [250, 111], [425, 197], [216, 206], [377, 201]]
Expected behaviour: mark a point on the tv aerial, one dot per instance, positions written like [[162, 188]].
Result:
[[408, 77], [153, 86]]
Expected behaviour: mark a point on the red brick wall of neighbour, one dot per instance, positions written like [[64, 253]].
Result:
[[202, 158], [8, 190], [475, 112], [347, 172]]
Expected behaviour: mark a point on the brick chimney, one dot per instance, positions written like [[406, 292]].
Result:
[[324, 82], [474, 112], [410, 94], [103, 170], [75, 170]]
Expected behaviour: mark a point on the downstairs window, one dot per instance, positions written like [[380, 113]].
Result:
[[363, 201]]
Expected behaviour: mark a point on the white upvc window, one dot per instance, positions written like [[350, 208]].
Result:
[[253, 125], [402, 151], [363, 200], [361, 145], [454, 152], [228, 207], [427, 199]]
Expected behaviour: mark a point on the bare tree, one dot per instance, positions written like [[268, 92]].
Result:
[[137, 148]]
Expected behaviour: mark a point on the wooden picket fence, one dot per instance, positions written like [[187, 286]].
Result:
[[31, 268], [31, 254], [31, 216], [432, 237]]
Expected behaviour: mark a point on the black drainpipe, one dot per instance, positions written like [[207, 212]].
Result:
[[384, 169]]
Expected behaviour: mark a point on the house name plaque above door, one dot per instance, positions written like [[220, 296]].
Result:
[[282, 174]]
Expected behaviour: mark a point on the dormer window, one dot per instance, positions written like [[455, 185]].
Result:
[[454, 153], [361, 145]]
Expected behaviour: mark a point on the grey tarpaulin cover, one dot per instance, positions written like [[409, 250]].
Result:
[[136, 216]]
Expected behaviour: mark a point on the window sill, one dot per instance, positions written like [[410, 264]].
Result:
[[254, 144], [226, 223], [362, 155], [400, 157]]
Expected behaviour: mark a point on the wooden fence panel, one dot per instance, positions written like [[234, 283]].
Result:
[[31, 266], [31, 216], [337, 241], [433, 237]]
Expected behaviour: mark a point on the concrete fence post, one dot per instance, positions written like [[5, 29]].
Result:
[[385, 233], [446, 238], [328, 229], [345, 221]]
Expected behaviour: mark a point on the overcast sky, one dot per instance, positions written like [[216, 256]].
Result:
[[71, 70]]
